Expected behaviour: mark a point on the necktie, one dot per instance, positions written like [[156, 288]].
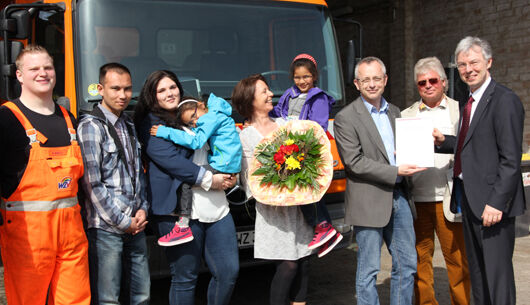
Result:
[[462, 136]]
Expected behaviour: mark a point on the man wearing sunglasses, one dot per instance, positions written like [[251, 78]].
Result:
[[431, 191], [487, 177]]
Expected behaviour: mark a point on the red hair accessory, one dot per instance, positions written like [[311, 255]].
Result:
[[306, 56]]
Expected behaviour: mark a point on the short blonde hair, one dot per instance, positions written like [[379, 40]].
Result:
[[427, 64], [30, 49]]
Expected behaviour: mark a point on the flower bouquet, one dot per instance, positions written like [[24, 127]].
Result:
[[292, 166]]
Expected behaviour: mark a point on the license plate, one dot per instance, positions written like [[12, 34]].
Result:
[[245, 239]]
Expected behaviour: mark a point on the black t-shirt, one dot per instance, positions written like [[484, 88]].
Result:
[[14, 144]]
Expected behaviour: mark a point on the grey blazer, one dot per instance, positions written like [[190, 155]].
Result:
[[369, 175]]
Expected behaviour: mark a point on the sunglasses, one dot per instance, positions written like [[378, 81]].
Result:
[[432, 81]]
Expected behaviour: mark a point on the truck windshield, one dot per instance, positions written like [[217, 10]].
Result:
[[210, 45]]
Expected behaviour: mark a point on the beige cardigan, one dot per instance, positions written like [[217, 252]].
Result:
[[454, 116]]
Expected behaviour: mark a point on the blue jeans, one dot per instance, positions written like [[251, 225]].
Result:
[[215, 241], [399, 237], [107, 254]]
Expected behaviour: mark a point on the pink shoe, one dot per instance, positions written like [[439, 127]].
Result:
[[177, 236], [323, 232], [329, 245]]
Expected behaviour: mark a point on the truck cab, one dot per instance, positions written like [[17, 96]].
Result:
[[209, 44]]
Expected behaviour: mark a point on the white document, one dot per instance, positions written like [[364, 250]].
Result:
[[414, 142]]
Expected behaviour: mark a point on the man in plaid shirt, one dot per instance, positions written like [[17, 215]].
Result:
[[114, 184]]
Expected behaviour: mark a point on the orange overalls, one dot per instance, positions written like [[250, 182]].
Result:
[[43, 243]]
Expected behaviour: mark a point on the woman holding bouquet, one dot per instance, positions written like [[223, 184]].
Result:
[[170, 165], [281, 233]]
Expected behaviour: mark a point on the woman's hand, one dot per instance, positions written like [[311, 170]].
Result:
[[222, 181], [154, 129], [230, 182]]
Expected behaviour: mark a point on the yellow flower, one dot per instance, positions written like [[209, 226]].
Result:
[[288, 142], [292, 163]]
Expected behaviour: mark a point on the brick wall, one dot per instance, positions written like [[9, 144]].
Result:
[[402, 31]]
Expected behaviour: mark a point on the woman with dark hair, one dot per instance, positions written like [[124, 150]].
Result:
[[168, 166], [281, 232]]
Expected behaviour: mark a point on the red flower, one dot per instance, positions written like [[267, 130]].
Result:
[[279, 157], [289, 149]]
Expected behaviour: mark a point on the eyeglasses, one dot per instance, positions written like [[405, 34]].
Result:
[[462, 66], [304, 77], [367, 80], [194, 115], [193, 118], [432, 81]]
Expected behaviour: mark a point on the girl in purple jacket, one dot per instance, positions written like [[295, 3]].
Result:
[[307, 102]]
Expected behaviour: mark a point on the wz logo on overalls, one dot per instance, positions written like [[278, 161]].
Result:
[[65, 183]]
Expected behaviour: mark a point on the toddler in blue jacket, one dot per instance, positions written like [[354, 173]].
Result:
[[211, 123]]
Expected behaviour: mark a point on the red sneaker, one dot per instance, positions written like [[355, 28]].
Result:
[[323, 232], [177, 236], [329, 245]]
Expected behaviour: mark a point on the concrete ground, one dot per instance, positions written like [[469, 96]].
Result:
[[332, 280], [328, 288]]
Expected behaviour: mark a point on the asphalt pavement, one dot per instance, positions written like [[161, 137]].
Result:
[[332, 280]]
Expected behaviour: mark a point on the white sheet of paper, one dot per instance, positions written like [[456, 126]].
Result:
[[414, 142]]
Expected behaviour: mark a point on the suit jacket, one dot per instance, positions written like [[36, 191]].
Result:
[[454, 115], [370, 177], [491, 153]]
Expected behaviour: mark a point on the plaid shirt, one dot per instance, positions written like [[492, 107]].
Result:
[[111, 198]]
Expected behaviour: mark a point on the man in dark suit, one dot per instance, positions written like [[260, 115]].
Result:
[[376, 198], [488, 186]]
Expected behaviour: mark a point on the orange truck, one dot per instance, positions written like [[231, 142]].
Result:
[[209, 44]]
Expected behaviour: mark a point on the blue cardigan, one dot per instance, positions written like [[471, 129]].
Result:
[[169, 165]]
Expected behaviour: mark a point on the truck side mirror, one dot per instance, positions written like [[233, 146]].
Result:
[[9, 86], [350, 58], [23, 24], [17, 25]]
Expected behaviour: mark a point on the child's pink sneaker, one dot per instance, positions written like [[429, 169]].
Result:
[[329, 245], [177, 236], [323, 232]]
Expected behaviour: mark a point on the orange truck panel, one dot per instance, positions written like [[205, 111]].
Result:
[[319, 2]]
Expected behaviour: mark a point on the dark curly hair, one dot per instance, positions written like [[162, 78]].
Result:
[[188, 106], [308, 64]]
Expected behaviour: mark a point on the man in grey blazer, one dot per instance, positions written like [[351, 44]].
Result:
[[487, 185], [376, 195]]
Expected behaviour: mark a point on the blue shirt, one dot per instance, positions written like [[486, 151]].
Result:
[[382, 122]]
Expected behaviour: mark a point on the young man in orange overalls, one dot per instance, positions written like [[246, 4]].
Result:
[[43, 244]]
